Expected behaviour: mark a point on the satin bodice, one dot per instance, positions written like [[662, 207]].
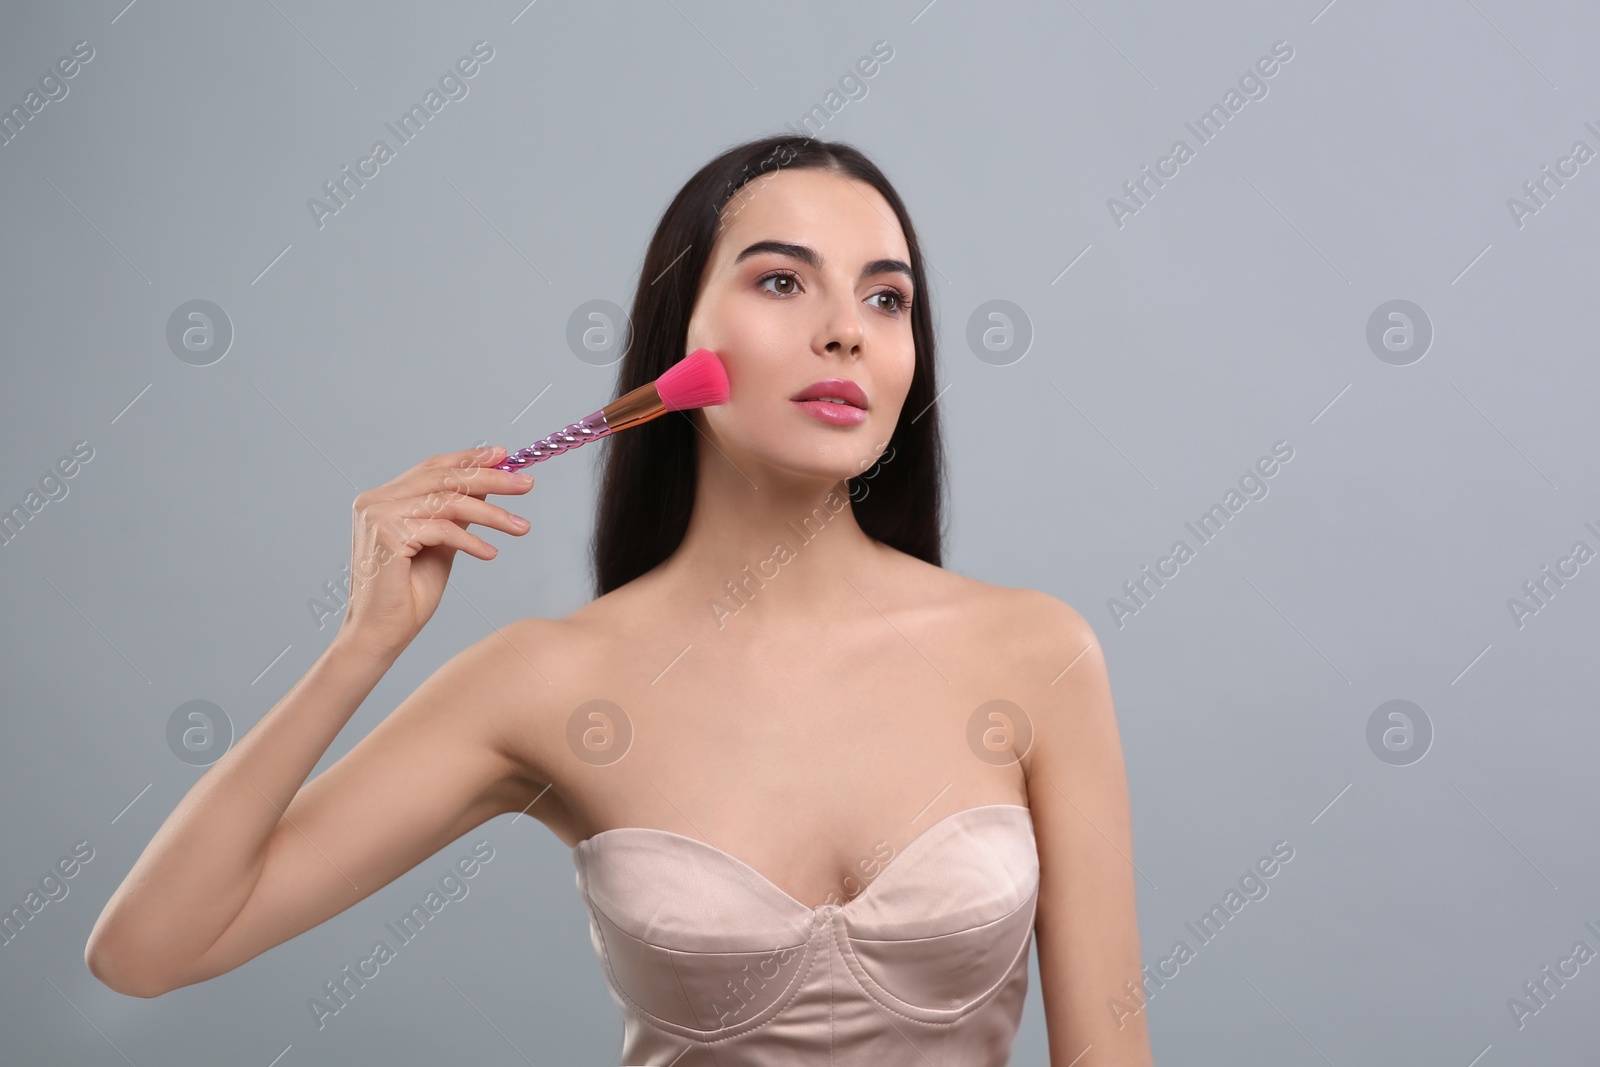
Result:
[[713, 965]]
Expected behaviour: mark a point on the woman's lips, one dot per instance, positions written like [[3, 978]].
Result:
[[829, 412]]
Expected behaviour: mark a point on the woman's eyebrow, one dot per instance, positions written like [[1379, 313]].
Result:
[[810, 258]]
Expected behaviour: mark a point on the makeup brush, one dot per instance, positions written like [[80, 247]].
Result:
[[698, 380]]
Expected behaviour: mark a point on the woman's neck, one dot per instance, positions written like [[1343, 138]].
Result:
[[779, 551]]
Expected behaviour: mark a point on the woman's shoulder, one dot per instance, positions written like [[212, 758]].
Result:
[[557, 637], [1000, 607], [1015, 630], [1011, 617], [585, 633]]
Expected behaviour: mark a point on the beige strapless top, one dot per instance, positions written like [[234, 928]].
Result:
[[713, 965]]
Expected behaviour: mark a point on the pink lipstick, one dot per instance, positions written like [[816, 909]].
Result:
[[837, 401]]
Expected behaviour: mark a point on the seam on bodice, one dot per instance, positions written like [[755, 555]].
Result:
[[935, 1016], [827, 930], [727, 1033]]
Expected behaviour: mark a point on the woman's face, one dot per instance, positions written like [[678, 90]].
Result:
[[809, 279]]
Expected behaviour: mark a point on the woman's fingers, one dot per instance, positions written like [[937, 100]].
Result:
[[428, 506], [472, 481], [462, 509], [407, 535], [445, 532], [478, 456]]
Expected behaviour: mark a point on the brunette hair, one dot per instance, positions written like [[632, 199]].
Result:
[[649, 478]]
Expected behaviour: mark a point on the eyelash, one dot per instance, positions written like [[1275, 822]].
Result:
[[903, 305]]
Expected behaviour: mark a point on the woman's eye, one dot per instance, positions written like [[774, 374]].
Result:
[[790, 279], [898, 297], [789, 284]]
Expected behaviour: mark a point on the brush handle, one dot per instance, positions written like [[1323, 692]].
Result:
[[589, 428]]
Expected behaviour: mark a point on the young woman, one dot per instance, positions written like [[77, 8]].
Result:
[[822, 794]]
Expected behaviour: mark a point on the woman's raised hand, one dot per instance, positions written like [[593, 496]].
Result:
[[405, 536]]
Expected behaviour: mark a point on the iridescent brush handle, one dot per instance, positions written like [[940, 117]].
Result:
[[589, 428]]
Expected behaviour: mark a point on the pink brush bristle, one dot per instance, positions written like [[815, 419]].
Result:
[[696, 381]]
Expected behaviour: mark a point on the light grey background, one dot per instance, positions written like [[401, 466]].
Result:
[[1228, 314]]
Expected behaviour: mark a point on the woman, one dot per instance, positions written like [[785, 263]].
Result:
[[822, 794]]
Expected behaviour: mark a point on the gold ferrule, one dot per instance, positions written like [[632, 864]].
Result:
[[630, 409]]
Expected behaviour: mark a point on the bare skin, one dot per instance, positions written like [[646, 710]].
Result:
[[836, 738], [828, 717]]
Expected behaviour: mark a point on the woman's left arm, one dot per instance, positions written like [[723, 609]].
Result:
[[1086, 926]]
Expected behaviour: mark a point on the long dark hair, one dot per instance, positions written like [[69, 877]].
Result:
[[649, 480]]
